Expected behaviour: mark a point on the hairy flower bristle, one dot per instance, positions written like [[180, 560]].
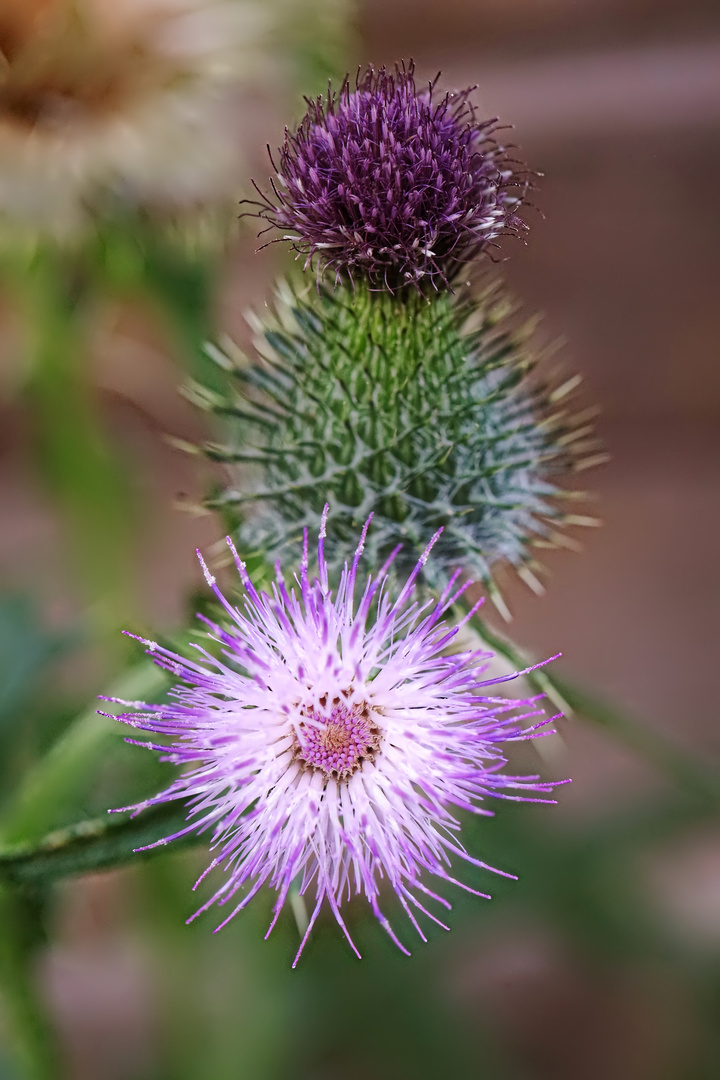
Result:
[[384, 182], [329, 744]]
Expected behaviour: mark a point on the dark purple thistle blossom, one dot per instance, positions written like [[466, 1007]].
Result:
[[383, 181], [328, 748]]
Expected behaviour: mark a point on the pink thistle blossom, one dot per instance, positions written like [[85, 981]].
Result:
[[328, 748]]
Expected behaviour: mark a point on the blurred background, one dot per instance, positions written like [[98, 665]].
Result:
[[604, 959]]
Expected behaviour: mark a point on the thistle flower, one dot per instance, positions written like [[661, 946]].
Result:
[[125, 100], [385, 182], [329, 746], [426, 414]]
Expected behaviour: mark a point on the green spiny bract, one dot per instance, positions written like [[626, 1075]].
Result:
[[422, 412]]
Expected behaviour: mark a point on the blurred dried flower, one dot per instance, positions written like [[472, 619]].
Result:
[[385, 182], [117, 100]]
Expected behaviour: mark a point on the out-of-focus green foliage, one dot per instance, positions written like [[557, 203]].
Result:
[[32, 713], [318, 37], [86, 769], [27, 651]]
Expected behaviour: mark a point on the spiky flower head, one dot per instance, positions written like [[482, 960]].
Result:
[[385, 182], [428, 415], [331, 744]]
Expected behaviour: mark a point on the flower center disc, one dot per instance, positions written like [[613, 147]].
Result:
[[339, 742]]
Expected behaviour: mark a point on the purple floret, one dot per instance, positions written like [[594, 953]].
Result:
[[331, 738], [386, 183]]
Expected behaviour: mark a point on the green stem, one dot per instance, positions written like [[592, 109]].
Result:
[[74, 455], [29, 1029], [653, 747]]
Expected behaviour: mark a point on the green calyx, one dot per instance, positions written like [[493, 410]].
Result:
[[422, 411]]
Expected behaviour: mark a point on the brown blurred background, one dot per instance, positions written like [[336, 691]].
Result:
[[617, 103]]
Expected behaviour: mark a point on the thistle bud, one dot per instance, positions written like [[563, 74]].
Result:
[[426, 415]]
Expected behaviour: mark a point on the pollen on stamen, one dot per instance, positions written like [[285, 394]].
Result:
[[338, 742]]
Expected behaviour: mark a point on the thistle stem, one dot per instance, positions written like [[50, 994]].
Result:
[[29, 1029]]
